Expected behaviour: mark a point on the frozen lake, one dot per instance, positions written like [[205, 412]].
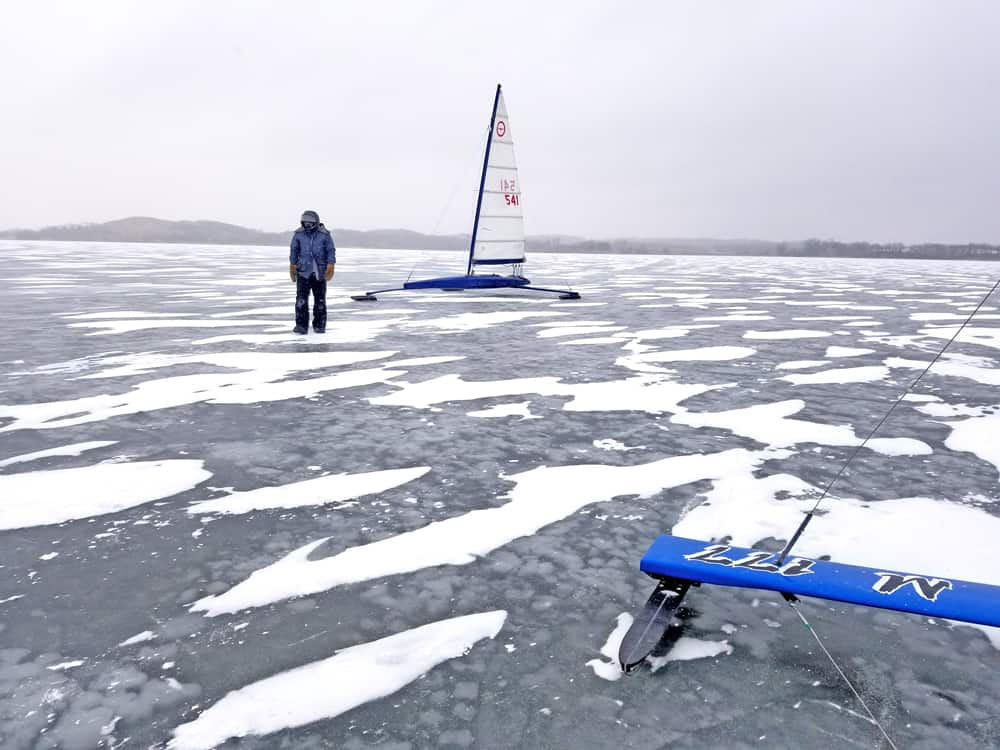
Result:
[[423, 527]]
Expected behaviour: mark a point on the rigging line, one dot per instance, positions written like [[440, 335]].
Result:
[[454, 191], [857, 449], [792, 600], [459, 183]]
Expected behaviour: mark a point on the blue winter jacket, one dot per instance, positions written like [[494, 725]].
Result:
[[312, 251]]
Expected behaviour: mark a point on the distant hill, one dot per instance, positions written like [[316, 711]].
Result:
[[147, 229]]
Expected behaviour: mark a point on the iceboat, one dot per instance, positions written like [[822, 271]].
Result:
[[498, 227]]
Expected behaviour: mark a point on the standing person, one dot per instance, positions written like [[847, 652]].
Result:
[[312, 260]]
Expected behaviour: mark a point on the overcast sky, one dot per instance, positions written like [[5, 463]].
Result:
[[776, 120]]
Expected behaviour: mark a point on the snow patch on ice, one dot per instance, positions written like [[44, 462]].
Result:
[[687, 648], [971, 335], [505, 410], [572, 323], [277, 363], [644, 362], [335, 488], [770, 424], [649, 393], [737, 317], [840, 375], [264, 383], [124, 314], [977, 434], [922, 316], [74, 449], [833, 317], [329, 687], [65, 665], [801, 364], [591, 341], [611, 670], [554, 332], [112, 327], [41, 498], [671, 332], [952, 367], [145, 635], [794, 333], [846, 351], [610, 444]]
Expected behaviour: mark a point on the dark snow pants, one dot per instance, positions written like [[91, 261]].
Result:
[[318, 288]]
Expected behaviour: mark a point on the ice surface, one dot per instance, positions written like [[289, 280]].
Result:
[[437, 455], [111, 327], [473, 321], [610, 444], [644, 362], [646, 393]]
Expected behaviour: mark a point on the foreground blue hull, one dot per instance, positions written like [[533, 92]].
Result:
[[704, 562], [678, 563]]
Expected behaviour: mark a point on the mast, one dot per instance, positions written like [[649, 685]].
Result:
[[482, 180]]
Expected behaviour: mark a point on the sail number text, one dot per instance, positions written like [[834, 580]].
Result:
[[509, 188]]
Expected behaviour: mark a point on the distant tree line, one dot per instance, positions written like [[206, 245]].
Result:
[[829, 248], [146, 229]]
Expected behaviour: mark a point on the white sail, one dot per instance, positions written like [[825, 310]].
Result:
[[500, 235]]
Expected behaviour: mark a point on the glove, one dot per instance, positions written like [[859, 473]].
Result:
[[329, 271], [293, 272]]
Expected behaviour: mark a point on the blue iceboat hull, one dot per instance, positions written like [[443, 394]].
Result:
[[472, 281], [676, 562]]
